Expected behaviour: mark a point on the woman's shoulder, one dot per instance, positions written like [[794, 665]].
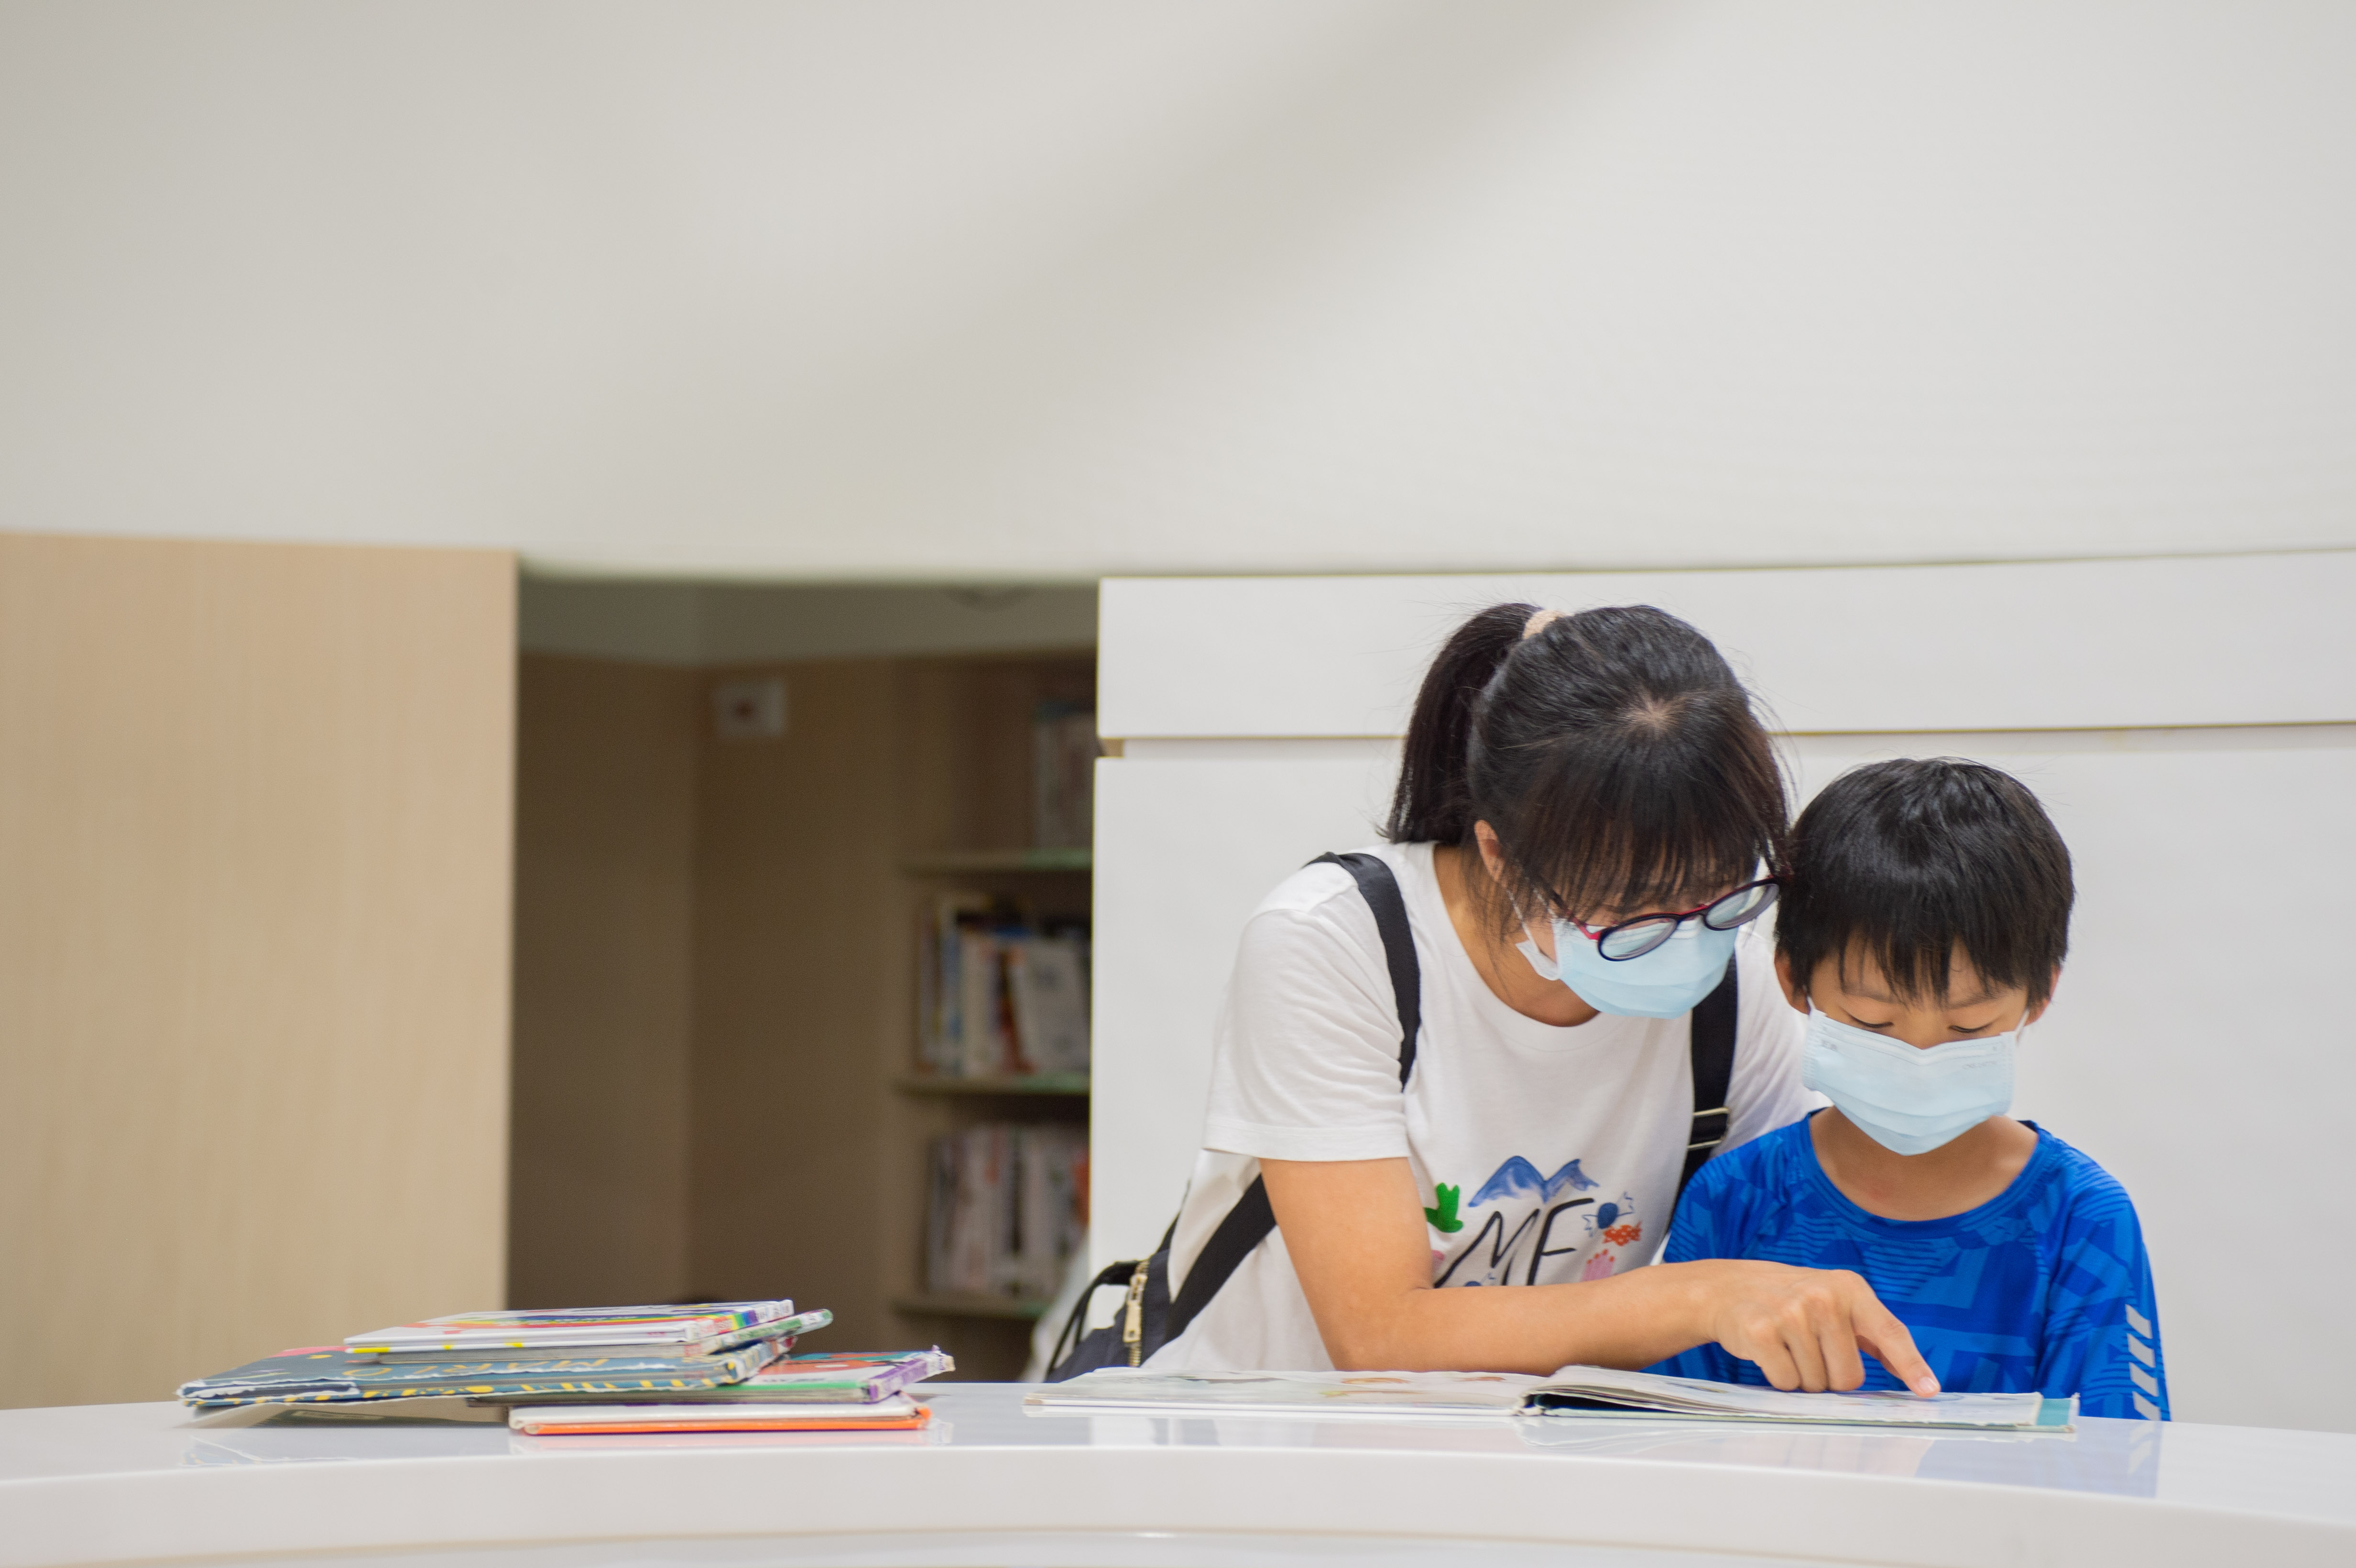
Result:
[[1322, 898], [1321, 882]]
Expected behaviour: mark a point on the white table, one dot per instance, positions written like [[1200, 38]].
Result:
[[990, 1484]]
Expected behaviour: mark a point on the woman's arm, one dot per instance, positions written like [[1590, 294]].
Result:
[[1355, 1231]]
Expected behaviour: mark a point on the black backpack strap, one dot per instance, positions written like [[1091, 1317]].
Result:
[[1242, 1228], [1380, 889], [1713, 1073], [1246, 1224]]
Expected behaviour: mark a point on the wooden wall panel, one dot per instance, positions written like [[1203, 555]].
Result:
[[254, 871], [605, 866], [803, 1002]]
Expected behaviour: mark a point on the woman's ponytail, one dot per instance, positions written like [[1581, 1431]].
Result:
[[1433, 803], [1612, 751]]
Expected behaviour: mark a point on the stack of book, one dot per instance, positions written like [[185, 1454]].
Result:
[[729, 1366], [1006, 1210], [506, 1356], [1003, 997]]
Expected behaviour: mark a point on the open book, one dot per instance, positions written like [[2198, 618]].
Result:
[[1599, 1390], [1574, 1390]]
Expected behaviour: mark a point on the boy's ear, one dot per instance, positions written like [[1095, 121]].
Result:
[[2039, 1010], [1794, 992]]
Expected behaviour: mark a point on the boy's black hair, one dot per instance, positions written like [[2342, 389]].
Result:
[[1904, 861], [1614, 752]]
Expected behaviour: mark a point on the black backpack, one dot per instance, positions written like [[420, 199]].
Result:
[[1149, 1320]]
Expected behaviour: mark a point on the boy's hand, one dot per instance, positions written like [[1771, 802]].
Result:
[[1803, 1327]]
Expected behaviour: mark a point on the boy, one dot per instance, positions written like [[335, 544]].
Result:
[[1921, 928]]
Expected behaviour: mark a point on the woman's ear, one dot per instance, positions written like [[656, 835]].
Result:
[[1492, 853], [1794, 992]]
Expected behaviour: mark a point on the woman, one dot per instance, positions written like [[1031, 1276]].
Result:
[[1564, 776]]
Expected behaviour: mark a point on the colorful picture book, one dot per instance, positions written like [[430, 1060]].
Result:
[[898, 1413], [785, 1328], [330, 1373], [856, 1377], [569, 1327], [1572, 1390]]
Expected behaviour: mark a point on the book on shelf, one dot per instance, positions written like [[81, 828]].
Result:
[[1000, 994], [1571, 1392], [1063, 751], [1006, 1210], [567, 1327], [896, 1413]]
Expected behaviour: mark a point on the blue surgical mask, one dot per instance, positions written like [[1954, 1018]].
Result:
[[1666, 983], [1907, 1100]]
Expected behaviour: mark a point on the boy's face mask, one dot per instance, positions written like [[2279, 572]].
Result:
[[1909, 1100]]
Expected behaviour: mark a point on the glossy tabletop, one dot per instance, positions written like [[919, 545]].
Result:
[[990, 1483]]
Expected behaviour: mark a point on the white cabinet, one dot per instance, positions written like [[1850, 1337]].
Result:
[[2190, 724]]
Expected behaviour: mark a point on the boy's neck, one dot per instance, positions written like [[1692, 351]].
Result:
[[1954, 1178]]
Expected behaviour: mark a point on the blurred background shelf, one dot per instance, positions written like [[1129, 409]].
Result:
[[960, 1304], [965, 862], [1045, 1084]]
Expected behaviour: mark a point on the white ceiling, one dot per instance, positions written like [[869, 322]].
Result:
[[1049, 289]]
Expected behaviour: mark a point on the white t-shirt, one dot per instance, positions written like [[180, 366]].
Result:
[[1544, 1154]]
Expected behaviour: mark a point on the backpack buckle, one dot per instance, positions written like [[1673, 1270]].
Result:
[[1132, 1323]]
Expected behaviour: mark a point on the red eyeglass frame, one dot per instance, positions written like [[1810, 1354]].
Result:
[[1676, 918]]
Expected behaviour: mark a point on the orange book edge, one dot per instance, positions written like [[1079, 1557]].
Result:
[[741, 1424]]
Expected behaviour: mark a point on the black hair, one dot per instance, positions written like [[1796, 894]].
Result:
[[1613, 752], [1903, 862]]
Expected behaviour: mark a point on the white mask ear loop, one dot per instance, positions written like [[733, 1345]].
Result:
[[1545, 969]]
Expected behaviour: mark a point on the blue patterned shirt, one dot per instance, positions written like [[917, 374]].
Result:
[[2044, 1287]]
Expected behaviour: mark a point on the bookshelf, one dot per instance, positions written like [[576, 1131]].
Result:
[[952, 862], [966, 828], [717, 1030], [970, 1304], [1042, 1084]]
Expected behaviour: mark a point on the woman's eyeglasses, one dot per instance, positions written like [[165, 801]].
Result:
[[1634, 938]]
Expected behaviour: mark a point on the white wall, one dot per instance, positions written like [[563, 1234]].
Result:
[[1044, 289], [2190, 725]]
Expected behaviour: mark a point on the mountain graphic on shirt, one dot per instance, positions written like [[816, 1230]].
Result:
[[1517, 1178]]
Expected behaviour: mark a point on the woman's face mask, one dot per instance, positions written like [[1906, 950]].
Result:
[[1666, 983]]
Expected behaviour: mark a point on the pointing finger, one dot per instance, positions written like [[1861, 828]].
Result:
[[1880, 1331]]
